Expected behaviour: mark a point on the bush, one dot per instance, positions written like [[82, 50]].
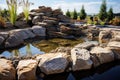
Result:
[[115, 21], [102, 23], [2, 22]]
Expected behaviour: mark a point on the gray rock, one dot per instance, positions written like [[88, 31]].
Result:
[[4, 34], [52, 63], [39, 31], [36, 19], [80, 59], [1, 40]]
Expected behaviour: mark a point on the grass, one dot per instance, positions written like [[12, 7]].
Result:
[[51, 44]]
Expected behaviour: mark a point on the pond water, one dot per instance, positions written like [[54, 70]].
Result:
[[109, 71]]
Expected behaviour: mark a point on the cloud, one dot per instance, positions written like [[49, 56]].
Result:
[[90, 7]]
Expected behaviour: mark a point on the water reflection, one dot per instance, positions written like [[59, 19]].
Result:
[[27, 50]]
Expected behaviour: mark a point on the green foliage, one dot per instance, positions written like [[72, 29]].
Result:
[[2, 22], [75, 14], [102, 23], [115, 21], [5, 14], [68, 13], [103, 13], [26, 6], [89, 20], [12, 7], [110, 14], [82, 13]]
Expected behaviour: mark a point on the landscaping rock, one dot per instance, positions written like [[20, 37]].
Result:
[[1, 40], [7, 71], [105, 36], [52, 63], [13, 41], [101, 55], [36, 19], [86, 45], [81, 59], [26, 69], [115, 47], [39, 31], [4, 34]]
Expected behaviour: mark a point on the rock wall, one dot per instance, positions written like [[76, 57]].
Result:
[[16, 37]]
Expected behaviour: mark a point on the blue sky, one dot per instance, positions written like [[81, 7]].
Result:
[[91, 6]]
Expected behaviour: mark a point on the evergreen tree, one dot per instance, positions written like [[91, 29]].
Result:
[[82, 13], [68, 13], [75, 14], [110, 14], [103, 13]]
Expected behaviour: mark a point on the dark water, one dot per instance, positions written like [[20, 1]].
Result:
[[109, 71]]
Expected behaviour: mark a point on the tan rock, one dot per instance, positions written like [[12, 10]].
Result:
[[26, 69], [7, 71], [101, 55], [80, 59], [115, 47]]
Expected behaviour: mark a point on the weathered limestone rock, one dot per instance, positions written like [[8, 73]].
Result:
[[101, 55], [26, 69], [115, 36], [4, 34], [86, 45], [52, 63], [1, 40], [7, 71], [36, 19], [115, 47], [81, 59], [39, 31], [105, 36]]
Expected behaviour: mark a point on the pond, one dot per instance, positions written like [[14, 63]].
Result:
[[40, 47]]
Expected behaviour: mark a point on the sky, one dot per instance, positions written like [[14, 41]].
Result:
[[91, 6]]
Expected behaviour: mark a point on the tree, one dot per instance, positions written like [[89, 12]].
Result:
[[75, 14], [110, 14], [82, 13], [68, 13], [103, 13]]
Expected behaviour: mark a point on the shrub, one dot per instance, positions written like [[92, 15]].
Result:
[[115, 21], [2, 22], [102, 23]]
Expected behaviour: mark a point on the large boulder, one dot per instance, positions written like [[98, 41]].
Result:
[[52, 63], [7, 71], [26, 69], [1, 40], [13, 41], [101, 55], [115, 47], [18, 36], [39, 31], [80, 59]]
